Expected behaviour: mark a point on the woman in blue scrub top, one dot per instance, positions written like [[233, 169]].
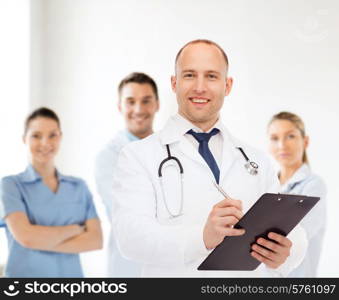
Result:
[[288, 143], [50, 217]]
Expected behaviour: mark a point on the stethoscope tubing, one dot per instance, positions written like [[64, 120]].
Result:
[[168, 158], [181, 169], [250, 166]]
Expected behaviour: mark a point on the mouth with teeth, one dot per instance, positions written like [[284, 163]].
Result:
[[199, 101]]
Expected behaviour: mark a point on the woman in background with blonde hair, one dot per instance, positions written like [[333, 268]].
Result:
[[287, 144]]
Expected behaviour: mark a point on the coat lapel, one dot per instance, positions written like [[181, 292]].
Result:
[[230, 154], [179, 144], [190, 152]]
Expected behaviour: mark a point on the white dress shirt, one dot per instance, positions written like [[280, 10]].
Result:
[[215, 143]]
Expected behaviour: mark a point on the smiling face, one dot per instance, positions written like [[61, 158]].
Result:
[[201, 83], [138, 104], [286, 143], [42, 138]]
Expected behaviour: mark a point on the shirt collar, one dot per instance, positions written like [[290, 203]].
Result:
[[303, 172], [130, 136], [30, 175], [62, 177], [177, 126]]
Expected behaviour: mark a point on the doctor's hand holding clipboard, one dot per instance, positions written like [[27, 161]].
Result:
[[167, 213], [224, 215]]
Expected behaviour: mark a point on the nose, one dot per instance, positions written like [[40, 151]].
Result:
[[138, 108], [281, 143], [200, 85], [45, 142]]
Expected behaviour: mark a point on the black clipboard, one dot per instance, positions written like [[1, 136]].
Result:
[[278, 213]]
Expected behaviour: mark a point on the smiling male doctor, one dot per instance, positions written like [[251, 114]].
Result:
[[149, 223], [138, 104]]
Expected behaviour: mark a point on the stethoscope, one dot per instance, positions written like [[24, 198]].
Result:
[[250, 166]]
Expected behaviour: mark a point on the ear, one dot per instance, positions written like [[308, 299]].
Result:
[[229, 84], [158, 105], [306, 142], [119, 105], [174, 83]]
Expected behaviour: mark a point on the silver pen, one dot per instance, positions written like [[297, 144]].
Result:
[[220, 189]]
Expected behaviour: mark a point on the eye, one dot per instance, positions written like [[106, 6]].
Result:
[[35, 136], [130, 102], [274, 138], [212, 76], [188, 75], [291, 136]]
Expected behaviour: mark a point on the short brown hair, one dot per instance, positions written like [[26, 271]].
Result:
[[140, 78], [297, 122], [204, 41]]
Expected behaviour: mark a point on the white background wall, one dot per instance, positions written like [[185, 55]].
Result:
[[14, 89], [283, 56]]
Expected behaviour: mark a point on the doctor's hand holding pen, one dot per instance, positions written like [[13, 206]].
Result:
[[224, 215]]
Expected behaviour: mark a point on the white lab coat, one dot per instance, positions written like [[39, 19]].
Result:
[[173, 247], [105, 166], [304, 182]]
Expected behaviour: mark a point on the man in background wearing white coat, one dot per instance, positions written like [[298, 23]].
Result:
[[138, 103], [170, 226]]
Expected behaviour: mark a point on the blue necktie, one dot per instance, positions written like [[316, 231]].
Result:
[[205, 152]]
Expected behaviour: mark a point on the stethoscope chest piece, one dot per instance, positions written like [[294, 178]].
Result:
[[252, 167]]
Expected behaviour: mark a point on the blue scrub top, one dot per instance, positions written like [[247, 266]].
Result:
[[71, 204]]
